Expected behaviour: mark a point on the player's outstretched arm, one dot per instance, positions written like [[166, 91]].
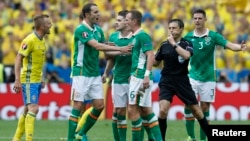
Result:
[[236, 47]]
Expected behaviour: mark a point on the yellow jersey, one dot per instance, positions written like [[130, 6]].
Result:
[[33, 49]]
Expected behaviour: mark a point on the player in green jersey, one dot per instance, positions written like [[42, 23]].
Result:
[[140, 103], [86, 78], [121, 65], [31, 58], [202, 66]]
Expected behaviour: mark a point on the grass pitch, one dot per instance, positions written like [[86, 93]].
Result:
[[102, 131]]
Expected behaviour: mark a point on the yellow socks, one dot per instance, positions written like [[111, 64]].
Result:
[[83, 119], [29, 126], [20, 128]]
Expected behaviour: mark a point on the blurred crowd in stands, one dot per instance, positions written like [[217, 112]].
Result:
[[231, 18]]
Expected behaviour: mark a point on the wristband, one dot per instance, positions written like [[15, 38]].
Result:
[[147, 73]]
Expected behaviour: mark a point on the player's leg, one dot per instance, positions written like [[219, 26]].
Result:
[[197, 112], [20, 130], [133, 109], [165, 97], [149, 116], [77, 96], [114, 125], [83, 118], [207, 96], [115, 116], [96, 93], [120, 100], [164, 108], [189, 124], [189, 118], [31, 92]]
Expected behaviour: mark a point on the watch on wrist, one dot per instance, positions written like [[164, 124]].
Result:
[[175, 46]]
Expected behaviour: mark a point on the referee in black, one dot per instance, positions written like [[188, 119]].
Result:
[[175, 53]]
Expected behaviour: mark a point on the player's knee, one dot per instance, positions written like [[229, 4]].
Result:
[[163, 113], [34, 108], [205, 106], [121, 111], [98, 105], [197, 112], [77, 105]]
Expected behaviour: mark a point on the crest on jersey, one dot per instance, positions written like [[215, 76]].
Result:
[[24, 46], [207, 40], [85, 35]]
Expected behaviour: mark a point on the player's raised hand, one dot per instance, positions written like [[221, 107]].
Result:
[[243, 45], [171, 39]]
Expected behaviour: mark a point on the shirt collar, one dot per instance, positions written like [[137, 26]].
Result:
[[127, 37], [86, 24], [137, 31], [203, 35]]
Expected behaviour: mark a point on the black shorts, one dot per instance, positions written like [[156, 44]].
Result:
[[179, 86]]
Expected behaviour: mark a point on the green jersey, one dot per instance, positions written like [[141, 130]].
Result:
[[142, 43], [86, 58], [202, 63], [122, 64]]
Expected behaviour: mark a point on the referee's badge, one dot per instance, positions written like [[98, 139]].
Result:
[[85, 35]]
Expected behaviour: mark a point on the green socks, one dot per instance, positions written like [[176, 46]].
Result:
[[122, 127], [153, 127], [136, 129], [91, 120], [73, 120], [114, 127], [189, 123]]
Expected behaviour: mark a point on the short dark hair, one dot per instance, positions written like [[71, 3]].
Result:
[[178, 21], [136, 15], [123, 13], [81, 16], [198, 10], [87, 8], [39, 20]]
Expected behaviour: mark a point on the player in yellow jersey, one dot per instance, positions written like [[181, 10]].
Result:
[[31, 56]]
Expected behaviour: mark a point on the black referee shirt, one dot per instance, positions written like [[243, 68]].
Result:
[[174, 64]]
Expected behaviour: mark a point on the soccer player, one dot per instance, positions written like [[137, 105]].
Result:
[[202, 66], [175, 52], [140, 103], [31, 57], [84, 110], [121, 73], [86, 78]]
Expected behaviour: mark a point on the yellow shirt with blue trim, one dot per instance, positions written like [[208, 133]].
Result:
[[33, 49]]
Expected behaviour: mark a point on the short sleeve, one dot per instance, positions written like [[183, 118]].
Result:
[[158, 55], [146, 42], [220, 40], [84, 35], [26, 47]]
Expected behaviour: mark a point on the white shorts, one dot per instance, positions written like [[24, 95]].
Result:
[[145, 100], [120, 94], [86, 87], [205, 91]]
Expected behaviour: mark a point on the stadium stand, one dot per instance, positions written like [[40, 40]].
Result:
[[16, 17]]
